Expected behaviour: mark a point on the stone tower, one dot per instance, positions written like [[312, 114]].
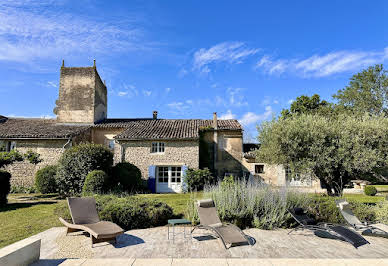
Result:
[[82, 96]]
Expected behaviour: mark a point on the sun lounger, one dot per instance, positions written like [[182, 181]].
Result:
[[379, 230], [326, 230], [85, 218], [228, 233]]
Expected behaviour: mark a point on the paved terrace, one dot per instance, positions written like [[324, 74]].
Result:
[[136, 245]]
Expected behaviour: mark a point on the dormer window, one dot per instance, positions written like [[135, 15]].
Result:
[[157, 147]]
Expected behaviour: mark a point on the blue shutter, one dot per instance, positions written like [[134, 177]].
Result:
[[184, 184], [151, 178]]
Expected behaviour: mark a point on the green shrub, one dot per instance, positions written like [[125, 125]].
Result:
[[370, 190], [5, 186], [252, 204], [381, 212], [129, 212], [76, 162], [96, 182], [45, 179], [33, 157], [196, 179], [127, 176], [23, 189]]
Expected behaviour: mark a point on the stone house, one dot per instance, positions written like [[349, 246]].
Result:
[[275, 175], [161, 148]]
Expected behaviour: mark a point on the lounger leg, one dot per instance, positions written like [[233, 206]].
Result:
[[71, 230]]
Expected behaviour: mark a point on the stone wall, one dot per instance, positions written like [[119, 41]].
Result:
[[82, 96], [23, 172], [228, 157], [176, 153]]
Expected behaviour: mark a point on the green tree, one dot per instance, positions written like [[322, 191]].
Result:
[[333, 150], [367, 92], [7, 158], [308, 105]]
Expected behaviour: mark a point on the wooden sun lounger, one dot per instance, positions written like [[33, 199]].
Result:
[[85, 218]]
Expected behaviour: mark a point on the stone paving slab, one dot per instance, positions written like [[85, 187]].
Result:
[[221, 262], [153, 243]]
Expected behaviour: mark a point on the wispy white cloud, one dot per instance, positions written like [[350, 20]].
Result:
[[236, 98], [122, 93], [230, 52], [322, 65], [250, 118], [39, 29], [227, 115], [180, 107], [147, 93], [52, 84], [167, 90]]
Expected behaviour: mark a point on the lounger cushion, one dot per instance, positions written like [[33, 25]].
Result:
[[231, 235], [299, 211], [83, 210], [208, 203], [104, 229]]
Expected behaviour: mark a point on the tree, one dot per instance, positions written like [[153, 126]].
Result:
[[7, 158], [308, 105], [367, 92], [333, 150]]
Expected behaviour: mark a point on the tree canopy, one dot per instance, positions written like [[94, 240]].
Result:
[[308, 105], [335, 151], [367, 92]]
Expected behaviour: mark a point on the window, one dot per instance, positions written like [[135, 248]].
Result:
[[111, 144], [259, 168], [157, 147], [163, 174], [176, 174], [7, 145]]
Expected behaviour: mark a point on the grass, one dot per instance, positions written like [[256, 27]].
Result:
[[364, 198], [381, 188], [22, 219], [178, 202]]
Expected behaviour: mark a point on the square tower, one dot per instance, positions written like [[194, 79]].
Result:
[[82, 96]]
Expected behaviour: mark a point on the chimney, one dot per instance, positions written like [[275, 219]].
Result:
[[155, 115], [215, 124]]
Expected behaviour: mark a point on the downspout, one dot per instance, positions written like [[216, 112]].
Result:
[[68, 142]]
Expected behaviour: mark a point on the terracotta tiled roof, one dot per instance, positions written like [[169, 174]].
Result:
[[166, 128], [133, 128], [38, 128]]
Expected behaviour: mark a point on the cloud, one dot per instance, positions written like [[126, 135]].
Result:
[[250, 118], [236, 98], [227, 115], [322, 65], [180, 107], [122, 93], [167, 90], [52, 84], [147, 93], [40, 29], [229, 52]]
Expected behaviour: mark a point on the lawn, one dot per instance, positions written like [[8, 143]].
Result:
[[29, 214], [24, 217]]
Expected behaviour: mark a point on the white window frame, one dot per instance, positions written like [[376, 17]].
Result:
[[159, 147], [169, 174]]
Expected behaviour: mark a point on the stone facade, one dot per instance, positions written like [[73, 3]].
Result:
[[177, 153], [23, 173], [82, 96], [221, 151]]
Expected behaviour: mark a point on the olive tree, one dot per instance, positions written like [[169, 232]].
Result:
[[333, 150]]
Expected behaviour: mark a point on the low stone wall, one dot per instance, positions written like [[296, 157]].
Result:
[[23, 172], [24, 252]]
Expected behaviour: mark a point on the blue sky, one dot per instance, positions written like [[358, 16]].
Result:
[[244, 59]]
